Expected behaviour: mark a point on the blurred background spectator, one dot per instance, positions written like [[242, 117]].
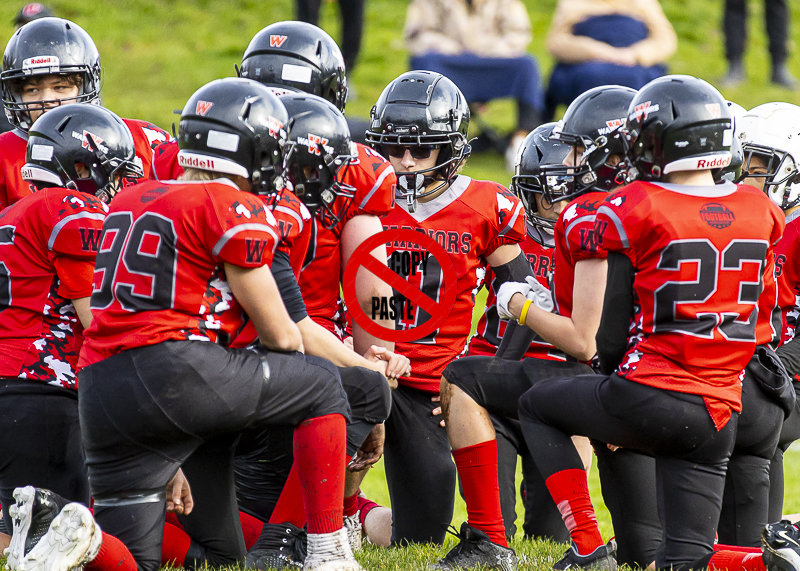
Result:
[[352, 12], [600, 42], [480, 45], [30, 12], [777, 23]]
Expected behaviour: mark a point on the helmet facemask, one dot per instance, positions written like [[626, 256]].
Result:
[[780, 174]]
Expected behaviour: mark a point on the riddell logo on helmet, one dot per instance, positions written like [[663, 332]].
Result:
[[276, 41], [202, 107], [40, 61], [717, 163], [196, 162]]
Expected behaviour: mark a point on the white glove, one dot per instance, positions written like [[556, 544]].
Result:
[[504, 295], [540, 295], [531, 289]]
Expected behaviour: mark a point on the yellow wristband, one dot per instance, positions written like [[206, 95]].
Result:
[[524, 314]]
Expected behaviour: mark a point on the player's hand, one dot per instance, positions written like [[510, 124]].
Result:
[[371, 451], [504, 295], [540, 295], [179, 495], [438, 410], [392, 365]]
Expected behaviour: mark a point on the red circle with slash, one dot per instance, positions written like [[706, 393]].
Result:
[[438, 311]]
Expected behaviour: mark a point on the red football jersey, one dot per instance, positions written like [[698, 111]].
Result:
[[291, 214], [703, 256], [50, 233], [159, 274], [13, 145], [470, 220], [491, 328], [575, 241], [374, 180], [787, 271]]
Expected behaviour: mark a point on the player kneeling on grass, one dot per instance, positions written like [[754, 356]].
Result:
[[684, 249], [76, 159], [180, 270], [590, 161]]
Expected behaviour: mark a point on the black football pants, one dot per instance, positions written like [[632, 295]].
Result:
[[40, 442], [690, 453], [264, 455], [147, 411], [735, 26], [627, 476], [352, 12], [790, 432]]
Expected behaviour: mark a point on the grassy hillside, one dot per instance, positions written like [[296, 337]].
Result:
[[157, 52]]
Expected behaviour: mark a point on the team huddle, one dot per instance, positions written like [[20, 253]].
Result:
[[181, 383]]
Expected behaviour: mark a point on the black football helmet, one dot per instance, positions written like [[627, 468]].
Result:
[[679, 123], [593, 121], [422, 108], [43, 47], [235, 126], [86, 134], [537, 150], [321, 152], [297, 56]]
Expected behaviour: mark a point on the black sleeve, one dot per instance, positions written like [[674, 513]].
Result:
[[790, 356], [612, 335], [287, 285], [517, 338]]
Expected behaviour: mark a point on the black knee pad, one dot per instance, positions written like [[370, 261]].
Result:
[[368, 393], [331, 397]]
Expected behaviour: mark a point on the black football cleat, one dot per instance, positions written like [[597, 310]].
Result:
[[476, 550], [780, 546], [280, 546], [603, 558], [31, 515]]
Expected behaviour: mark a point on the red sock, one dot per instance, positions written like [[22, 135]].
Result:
[[251, 528], [477, 469], [739, 548], [175, 546], [570, 492], [366, 505], [113, 556], [735, 560], [290, 503], [319, 452], [172, 519], [351, 505]]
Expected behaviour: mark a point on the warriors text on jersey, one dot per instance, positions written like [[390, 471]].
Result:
[[491, 328], [374, 180], [703, 256], [159, 273], [470, 220], [48, 242], [13, 145], [575, 241]]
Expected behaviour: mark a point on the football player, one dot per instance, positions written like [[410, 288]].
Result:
[[420, 123], [154, 392], [768, 134], [680, 249], [77, 160], [593, 162], [542, 518], [47, 63], [300, 57]]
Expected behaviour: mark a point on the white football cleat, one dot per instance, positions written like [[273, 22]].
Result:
[[73, 540], [352, 524], [330, 552], [31, 515]]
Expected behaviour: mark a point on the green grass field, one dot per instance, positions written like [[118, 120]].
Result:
[[157, 52]]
